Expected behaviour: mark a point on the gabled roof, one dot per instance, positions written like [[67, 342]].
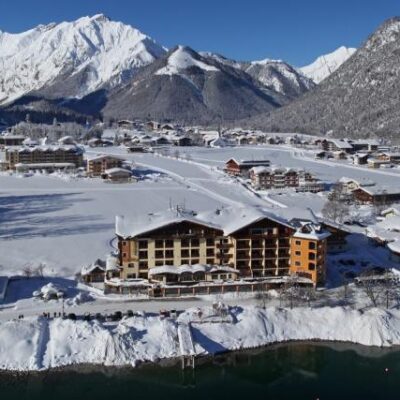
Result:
[[227, 220]]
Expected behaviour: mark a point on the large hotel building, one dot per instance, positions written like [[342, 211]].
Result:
[[227, 244]]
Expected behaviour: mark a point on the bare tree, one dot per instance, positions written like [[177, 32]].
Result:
[[39, 270], [337, 208], [27, 271]]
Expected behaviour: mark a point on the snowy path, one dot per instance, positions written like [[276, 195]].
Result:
[[199, 177]]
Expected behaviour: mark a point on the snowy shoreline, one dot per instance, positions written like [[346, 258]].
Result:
[[37, 344]]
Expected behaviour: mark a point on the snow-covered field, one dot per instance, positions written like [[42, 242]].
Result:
[[68, 223], [38, 343]]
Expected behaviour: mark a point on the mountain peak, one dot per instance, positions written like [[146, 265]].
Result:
[[326, 64], [183, 57], [73, 58]]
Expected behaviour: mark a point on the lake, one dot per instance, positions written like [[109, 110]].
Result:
[[289, 371]]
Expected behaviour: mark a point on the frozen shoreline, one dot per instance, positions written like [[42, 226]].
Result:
[[36, 344]]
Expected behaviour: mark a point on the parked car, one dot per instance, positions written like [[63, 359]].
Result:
[[71, 316]]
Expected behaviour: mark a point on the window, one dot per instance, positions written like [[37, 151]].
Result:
[[143, 264], [210, 242], [195, 253], [123, 255], [297, 263], [159, 263], [185, 261], [297, 242], [185, 243], [311, 256], [131, 276], [312, 245], [210, 261], [131, 265], [298, 253], [169, 243], [159, 254], [143, 254], [210, 252], [195, 243], [311, 266], [159, 244], [124, 243], [194, 261], [169, 254], [184, 253], [143, 244]]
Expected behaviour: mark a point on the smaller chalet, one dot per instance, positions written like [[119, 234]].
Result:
[[117, 175], [377, 195]]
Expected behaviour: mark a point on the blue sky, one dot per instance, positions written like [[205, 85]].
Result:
[[296, 31]]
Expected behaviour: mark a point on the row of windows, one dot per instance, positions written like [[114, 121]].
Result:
[[143, 254], [311, 245], [311, 256], [311, 266], [169, 243]]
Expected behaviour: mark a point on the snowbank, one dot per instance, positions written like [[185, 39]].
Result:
[[35, 344]]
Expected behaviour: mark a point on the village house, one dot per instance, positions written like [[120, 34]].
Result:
[[263, 178], [350, 184], [11, 140], [38, 156], [332, 145], [377, 195], [339, 155], [360, 158], [117, 175], [243, 167], [181, 245], [387, 232], [376, 163], [364, 145], [389, 157], [96, 166]]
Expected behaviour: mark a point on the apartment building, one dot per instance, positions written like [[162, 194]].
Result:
[[42, 155], [279, 178], [236, 243], [98, 165]]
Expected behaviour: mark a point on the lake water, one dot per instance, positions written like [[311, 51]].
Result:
[[294, 371]]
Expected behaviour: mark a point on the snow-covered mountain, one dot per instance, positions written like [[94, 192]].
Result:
[[326, 64], [276, 75], [72, 59], [187, 86], [360, 99], [280, 76]]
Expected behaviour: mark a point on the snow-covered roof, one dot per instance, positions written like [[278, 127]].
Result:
[[250, 163], [192, 269], [98, 264], [311, 232], [100, 157], [341, 144], [117, 171], [227, 219], [64, 147], [380, 190]]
